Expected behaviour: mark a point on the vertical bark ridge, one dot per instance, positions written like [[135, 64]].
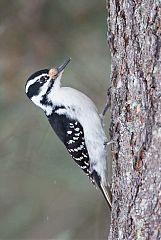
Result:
[[134, 37]]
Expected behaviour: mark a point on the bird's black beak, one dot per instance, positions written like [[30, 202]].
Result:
[[53, 72], [62, 66]]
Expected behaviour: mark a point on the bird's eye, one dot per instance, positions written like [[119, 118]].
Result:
[[43, 79]]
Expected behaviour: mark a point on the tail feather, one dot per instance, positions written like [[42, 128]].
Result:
[[104, 189], [107, 194]]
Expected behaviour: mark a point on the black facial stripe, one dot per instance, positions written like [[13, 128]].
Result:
[[50, 87], [34, 89], [44, 99]]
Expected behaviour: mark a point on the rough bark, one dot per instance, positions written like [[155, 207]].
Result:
[[134, 37]]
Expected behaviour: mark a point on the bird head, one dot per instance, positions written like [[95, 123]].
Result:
[[42, 82]]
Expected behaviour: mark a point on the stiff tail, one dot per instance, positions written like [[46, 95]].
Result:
[[104, 189], [107, 194]]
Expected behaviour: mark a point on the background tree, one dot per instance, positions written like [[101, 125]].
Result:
[[43, 194], [134, 36]]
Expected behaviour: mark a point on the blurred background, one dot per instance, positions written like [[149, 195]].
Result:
[[43, 194]]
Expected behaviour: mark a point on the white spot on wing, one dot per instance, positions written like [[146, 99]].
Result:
[[84, 155], [78, 159], [71, 141], [83, 167], [86, 163], [71, 150], [69, 132], [77, 134], [75, 138], [80, 148]]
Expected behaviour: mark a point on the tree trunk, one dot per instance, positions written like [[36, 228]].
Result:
[[134, 36]]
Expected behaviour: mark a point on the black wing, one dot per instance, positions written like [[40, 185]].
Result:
[[71, 134]]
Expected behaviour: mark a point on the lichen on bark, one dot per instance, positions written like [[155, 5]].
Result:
[[134, 37]]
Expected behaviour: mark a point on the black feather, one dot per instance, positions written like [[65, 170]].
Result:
[[72, 135]]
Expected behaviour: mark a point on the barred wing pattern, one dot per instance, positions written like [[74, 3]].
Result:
[[72, 135]]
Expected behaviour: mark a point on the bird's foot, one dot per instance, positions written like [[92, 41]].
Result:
[[109, 142]]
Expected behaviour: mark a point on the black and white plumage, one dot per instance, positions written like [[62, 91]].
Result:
[[76, 121]]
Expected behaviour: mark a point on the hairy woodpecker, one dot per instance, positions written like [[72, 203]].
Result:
[[76, 121]]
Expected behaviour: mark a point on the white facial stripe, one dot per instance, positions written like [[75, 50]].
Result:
[[32, 81], [37, 101]]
